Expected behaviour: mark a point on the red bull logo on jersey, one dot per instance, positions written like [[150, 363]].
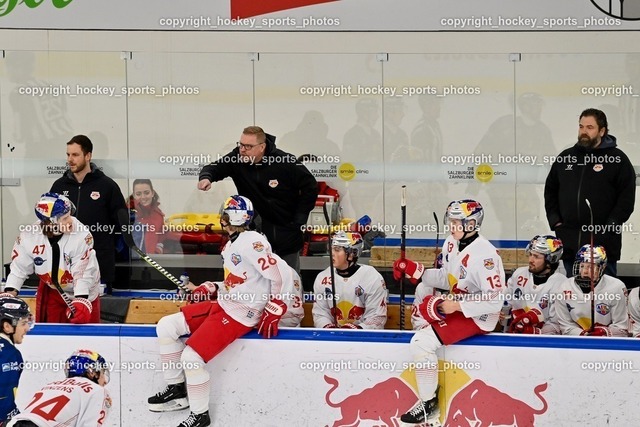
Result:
[[383, 402], [355, 313], [65, 278], [479, 404], [231, 281]]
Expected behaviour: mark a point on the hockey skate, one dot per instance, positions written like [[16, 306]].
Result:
[[172, 398], [423, 414], [196, 420]]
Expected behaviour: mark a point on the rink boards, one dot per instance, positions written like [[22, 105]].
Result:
[[310, 377]]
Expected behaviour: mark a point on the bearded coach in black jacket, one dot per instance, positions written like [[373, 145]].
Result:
[[98, 200], [282, 190], [594, 169]]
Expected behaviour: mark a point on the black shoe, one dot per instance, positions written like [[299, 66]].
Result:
[[424, 413], [196, 420], [172, 398]]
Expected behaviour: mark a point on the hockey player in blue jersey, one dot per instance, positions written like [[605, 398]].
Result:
[[15, 322]]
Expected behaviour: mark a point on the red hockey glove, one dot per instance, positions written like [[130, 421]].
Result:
[[527, 329], [271, 315], [330, 326], [411, 269], [598, 331], [429, 308], [350, 326], [527, 320], [83, 311], [208, 291]]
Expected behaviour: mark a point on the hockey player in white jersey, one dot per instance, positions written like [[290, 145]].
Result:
[[80, 400], [472, 271], [611, 317], [361, 294], [59, 249], [532, 291], [247, 298], [633, 306]]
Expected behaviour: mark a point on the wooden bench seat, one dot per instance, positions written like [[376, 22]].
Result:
[[150, 311]]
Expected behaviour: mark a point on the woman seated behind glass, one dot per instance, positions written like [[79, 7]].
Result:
[[146, 217]]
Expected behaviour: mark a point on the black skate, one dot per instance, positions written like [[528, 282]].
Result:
[[424, 414], [196, 420], [172, 398]]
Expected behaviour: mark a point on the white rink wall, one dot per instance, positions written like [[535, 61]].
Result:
[[500, 379]]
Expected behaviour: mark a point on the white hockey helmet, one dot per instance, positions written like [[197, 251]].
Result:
[[351, 241], [465, 210], [547, 245]]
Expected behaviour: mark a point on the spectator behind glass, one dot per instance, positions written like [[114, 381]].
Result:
[[147, 218]]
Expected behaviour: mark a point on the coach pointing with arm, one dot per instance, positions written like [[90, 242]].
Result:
[[594, 169], [282, 190]]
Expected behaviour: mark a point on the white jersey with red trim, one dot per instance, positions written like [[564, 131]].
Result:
[[72, 402], [523, 294], [252, 275], [573, 307], [361, 299], [475, 275], [633, 306], [78, 271]]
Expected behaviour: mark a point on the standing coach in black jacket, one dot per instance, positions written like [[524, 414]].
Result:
[[282, 190], [594, 169], [98, 200]]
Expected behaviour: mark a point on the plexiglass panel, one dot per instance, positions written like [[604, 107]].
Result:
[[185, 111], [439, 138], [552, 91], [47, 97], [328, 105]]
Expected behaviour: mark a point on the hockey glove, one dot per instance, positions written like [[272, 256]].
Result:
[[330, 326], [83, 310], [207, 291], [527, 320], [598, 331], [350, 326], [429, 309], [271, 315], [411, 269]]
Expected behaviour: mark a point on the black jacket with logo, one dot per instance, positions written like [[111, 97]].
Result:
[[282, 191], [605, 177], [98, 200]]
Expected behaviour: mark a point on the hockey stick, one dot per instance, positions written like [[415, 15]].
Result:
[[123, 218], [55, 250], [333, 278], [403, 249], [436, 252], [65, 297], [591, 267]]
